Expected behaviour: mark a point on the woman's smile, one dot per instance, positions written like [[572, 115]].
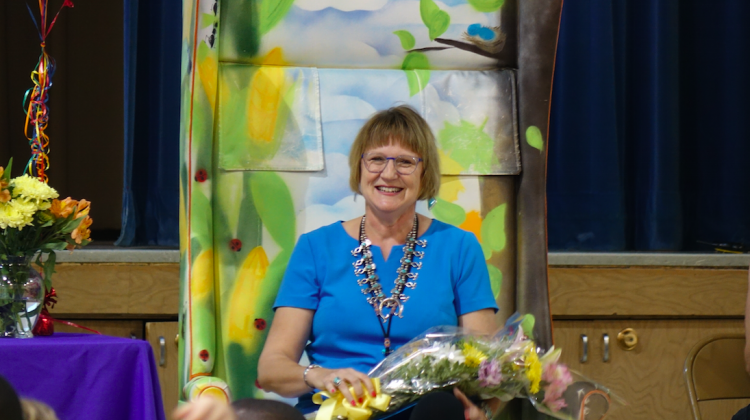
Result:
[[389, 190]]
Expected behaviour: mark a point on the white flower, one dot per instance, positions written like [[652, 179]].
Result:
[[446, 351]]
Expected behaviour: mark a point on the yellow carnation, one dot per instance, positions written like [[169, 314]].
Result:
[[17, 214], [473, 355], [533, 369], [33, 189]]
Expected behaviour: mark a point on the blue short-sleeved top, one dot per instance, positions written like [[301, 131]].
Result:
[[452, 281]]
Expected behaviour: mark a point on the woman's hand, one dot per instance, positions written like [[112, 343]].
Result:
[[471, 411], [322, 378], [205, 408]]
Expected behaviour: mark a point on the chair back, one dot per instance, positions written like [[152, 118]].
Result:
[[274, 92], [716, 376]]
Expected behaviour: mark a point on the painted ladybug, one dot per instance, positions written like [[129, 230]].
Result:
[[203, 355], [260, 324], [235, 245], [201, 175]]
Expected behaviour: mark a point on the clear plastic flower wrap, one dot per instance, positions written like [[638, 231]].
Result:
[[507, 365]]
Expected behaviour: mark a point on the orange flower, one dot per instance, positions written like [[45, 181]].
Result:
[[83, 209], [62, 208], [4, 192], [82, 232]]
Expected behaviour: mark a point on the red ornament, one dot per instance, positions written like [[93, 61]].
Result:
[[257, 384], [235, 245], [203, 355], [201, 175], [44, 325], [260, 324]]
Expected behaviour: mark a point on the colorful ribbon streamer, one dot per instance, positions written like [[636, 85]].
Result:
[[336, 405], [35, 99]]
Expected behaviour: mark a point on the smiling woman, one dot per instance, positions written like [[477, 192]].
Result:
[[393, 164]]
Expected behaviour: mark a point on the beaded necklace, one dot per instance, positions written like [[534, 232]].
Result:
[[386, 307]]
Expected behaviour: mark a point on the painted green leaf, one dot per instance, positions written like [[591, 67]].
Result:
[[496, 279], [228, 197], [407, 39], [436, 20], [468, 145], [275, 207], [207, 19], [493, 231], [448, 212], [417, 70], [417, 80], [201, 223], [415, 61], [250, 227], [528, 325], [204, 337], [271, 13], [6, 172], [486, 6], [534, 137], [239, 36]]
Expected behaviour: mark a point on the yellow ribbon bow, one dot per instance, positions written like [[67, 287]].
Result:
[[336, 405]]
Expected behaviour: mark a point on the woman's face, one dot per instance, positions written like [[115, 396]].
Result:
[[390, 191]]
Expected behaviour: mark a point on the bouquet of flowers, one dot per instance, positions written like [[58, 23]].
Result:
[[505, 366], [33, 222]]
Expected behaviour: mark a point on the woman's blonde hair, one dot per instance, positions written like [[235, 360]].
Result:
[[36, 410], [399, 125]]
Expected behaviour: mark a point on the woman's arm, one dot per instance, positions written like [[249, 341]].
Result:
[[278, 367], [279, 370], [481, 322]]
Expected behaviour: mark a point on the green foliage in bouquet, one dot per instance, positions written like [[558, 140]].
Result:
[[35, 222], [477, 368], [507, 365]]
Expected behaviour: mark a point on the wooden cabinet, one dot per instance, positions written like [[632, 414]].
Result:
[[670, 309], [650, 377], [162, 337]]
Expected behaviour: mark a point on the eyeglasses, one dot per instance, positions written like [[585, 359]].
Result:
[[404, 164]]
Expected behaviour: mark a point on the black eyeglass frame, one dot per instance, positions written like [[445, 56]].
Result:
[[419, 159]]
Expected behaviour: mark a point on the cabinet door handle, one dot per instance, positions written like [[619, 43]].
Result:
[[584, 348], [605, 339], [162, 350]]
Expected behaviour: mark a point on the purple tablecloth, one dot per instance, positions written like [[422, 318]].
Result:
[[85, 376]]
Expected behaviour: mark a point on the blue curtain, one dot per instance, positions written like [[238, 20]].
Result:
[[646, 147], [152, 42]]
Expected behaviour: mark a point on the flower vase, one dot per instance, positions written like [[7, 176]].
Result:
[[21, 296]]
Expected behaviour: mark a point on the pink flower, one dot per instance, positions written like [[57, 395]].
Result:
[[489, 373], [555, 405], [558, 378]]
